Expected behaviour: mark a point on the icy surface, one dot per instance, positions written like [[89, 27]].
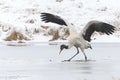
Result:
[[42, 62]]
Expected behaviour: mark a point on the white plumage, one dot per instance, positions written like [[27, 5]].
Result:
[[79, 40]]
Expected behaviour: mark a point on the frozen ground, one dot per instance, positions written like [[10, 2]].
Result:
[[42, 62]]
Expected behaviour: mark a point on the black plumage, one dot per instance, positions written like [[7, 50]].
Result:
[[93, 26], [47, 17]]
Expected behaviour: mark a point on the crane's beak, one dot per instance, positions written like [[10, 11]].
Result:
[[60, 51]]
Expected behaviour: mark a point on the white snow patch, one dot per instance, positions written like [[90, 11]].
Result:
[[78, 12]]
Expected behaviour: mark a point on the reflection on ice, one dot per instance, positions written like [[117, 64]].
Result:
[[42, 62]]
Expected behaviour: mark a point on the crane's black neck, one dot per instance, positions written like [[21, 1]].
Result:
[[64, 46]]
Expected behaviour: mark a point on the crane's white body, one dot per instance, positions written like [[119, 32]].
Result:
[[76, 39]]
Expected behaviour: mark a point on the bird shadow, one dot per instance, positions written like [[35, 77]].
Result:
[[79, 60]]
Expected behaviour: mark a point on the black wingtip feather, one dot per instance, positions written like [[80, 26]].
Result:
[[47, 17], [99, 27]]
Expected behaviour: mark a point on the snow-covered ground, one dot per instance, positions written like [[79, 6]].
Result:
[[43, 62], [18, 14]]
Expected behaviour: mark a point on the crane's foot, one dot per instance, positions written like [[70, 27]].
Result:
[[67, 60]]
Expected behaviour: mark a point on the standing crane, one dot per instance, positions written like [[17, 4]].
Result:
[[79, 40]]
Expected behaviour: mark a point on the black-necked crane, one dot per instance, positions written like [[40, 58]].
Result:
[[79, 40]]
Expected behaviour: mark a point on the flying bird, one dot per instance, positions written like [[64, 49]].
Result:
[[79, 40]]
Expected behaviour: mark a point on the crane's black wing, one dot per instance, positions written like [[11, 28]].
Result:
[[47, 17], [93, 26]]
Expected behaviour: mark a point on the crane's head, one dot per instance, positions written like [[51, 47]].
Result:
[[63, 47]]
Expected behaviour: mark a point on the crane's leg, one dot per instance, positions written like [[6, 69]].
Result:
[[74, 55], [84, 54]]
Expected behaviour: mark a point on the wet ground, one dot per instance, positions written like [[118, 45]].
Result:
[[42, 62]]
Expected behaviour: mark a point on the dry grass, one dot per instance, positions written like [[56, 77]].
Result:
[[55, 33], [45, 27], [16, 36], [66, 33], [103, 9], [30, 21]]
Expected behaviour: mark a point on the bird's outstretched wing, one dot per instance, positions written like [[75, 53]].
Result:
[[47, 17], [93, 26]]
